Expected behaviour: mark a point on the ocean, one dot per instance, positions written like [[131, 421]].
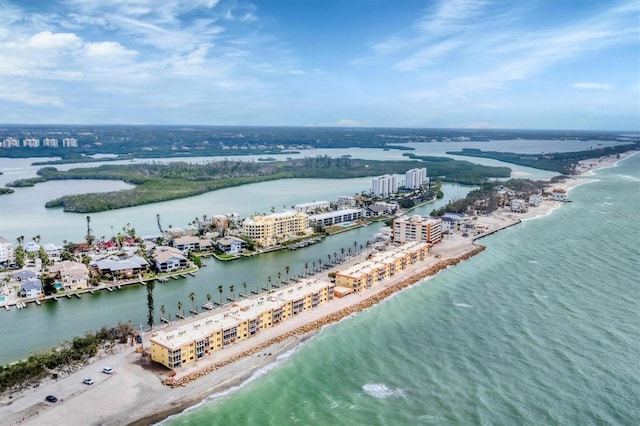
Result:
[[543, 327]]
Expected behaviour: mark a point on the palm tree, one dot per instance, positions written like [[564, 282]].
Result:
[[220, 291], [208, 296], [162, 309], [192, 296]]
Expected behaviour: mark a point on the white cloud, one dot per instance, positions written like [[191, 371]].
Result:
[[110, 50], [49, 40], [592, 86], [348, 123]]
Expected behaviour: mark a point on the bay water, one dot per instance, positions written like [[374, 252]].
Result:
[[543, 327]]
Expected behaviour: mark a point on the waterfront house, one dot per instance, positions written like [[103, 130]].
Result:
[[23, 275], [376, 210], [121, 268], [272, 229], [31, 289], [535, 200], [558, 194], [168, 259], [72, 275], [451, 221], [518, 206], [231, 245]]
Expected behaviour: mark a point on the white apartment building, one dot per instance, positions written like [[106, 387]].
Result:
[[277, 227], [69, 143], [417, 228], [383, 186], [338, 216], [31, 142], [6, 251], [11, 143], [50, 142], [414, 178]]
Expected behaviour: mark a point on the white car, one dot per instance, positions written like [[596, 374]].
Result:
[[107, 370], [88, 381]]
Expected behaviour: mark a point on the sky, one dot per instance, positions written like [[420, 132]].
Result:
[[514, 64]]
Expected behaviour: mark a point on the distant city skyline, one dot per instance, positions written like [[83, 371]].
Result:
[[538, 64]]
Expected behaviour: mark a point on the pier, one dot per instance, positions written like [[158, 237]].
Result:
[[231, 299], [37, 302], [77, 295], [164, 320], [194, 311], [255, 292], [109, 289], [179, 315]]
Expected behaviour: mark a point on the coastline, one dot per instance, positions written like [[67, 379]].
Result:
[[135, 395]]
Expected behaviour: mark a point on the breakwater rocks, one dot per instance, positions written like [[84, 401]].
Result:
[[329, 319]]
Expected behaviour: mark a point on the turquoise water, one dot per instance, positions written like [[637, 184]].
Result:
[[540, 328]]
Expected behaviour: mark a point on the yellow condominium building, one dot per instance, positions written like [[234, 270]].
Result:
[[197, 337], [381, 266], [272, 229]]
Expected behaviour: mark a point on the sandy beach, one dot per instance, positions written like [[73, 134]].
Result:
[[142, 392]]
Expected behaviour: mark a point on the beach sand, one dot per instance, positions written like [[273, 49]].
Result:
[[135, 393]]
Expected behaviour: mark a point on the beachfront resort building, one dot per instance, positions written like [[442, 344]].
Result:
[[31, 142], [272, 229], [535, 200], [414, 178], [381, 266], [10, 143], [383, 186], [417, 228], [189, 341]]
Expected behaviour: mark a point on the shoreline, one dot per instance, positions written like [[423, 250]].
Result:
[[136, 395]]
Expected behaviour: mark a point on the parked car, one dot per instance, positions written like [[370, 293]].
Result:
[[51, 398], [88, 381], [107, 370]]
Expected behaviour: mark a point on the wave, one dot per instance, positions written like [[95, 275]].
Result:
[[463, 305], [379, 390]]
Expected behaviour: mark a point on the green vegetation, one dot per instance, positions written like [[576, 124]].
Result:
[[38, 366], [157, 182], [562, 162], [6, 191]]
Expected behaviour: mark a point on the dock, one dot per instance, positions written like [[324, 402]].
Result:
[[55, 298], [183, 275], [265, 289], [162, 279], [255, 292], [231, 299], [109, 289], [38, 302], [179, 315], [77, 295], [91, 291], [174, 277], [191, 273], [216, 303], [207, 306], [194, 312], [164, 320], [68, 296], [244, 296]]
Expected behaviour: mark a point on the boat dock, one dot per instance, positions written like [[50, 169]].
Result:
[[162, 279], [255, 292], [164, 320], [191, 273], [77, 295], [179, 315], [109, 289]]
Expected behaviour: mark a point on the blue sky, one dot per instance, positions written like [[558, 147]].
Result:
[[528, 64]]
